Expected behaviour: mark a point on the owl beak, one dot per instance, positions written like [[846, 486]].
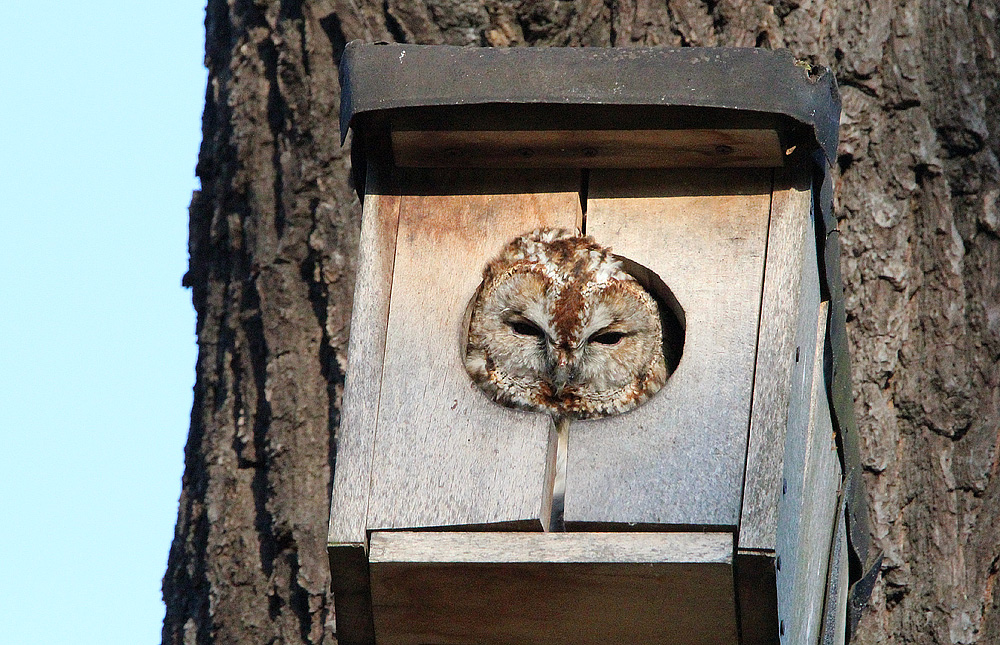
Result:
[[561, 371]]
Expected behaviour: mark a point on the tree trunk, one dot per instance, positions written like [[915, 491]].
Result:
[[274, 233]]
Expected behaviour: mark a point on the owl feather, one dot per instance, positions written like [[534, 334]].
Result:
[[559, 327]]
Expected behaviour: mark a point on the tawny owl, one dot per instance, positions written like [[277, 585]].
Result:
[[559, 327]]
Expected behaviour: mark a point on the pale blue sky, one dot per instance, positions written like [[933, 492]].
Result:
[[100, 114]]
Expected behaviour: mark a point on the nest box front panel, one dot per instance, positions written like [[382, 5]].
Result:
[[679, 458], [444, 454]]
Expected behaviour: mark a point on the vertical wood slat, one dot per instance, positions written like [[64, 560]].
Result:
[[808, 513], [347, 538], [678, 458], [450, 588], [787, 321], [837, 584], [446, 455], [369, 319], [756, 591]]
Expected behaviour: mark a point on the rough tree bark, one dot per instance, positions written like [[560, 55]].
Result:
[[274, 231]]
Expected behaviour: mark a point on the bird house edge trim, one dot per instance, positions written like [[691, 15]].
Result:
[[379, 77]]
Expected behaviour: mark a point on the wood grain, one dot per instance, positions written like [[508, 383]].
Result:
[[445, 455], [808, 511], [369, 319], [526, 588], [347, 541], [679, 458], [787, 321], [838, 579], [588, 148], [636, 548]]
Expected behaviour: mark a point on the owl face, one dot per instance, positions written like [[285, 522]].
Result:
[[559, 327]]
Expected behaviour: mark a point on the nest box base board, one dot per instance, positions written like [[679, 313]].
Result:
[[450, 588]]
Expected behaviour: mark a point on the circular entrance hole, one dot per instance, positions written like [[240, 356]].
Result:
[[672, 319]]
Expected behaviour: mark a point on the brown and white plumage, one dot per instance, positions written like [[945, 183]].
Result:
[[559, 327]]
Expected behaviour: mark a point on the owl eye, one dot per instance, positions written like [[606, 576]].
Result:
[[607, 338], [526, 328]]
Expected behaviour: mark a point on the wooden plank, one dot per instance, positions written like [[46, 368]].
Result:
[[347, 537], [703, 148], [445, 454], [787, 322], [565, 548], [757, 596], [808, 512], [838, 584], [553, 588], [819, 512], [369, 319], [352, 595], [678, 458]]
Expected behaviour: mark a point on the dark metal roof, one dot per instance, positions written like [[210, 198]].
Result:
[[375, 78]]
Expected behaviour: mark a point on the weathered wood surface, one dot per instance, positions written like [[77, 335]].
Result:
[[359, 408], [347, 540], [835, 605], [808, 511], [787, 334], [816, 532], [446, 455], [588, 148], [554, 588], [678, 458], [566, 548]]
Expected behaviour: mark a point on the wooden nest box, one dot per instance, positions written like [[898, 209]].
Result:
[[717, 512]]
